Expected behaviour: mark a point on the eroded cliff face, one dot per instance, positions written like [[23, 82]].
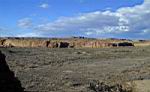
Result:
[[2, 42], [24, 43], [59, 43], [90, 44]]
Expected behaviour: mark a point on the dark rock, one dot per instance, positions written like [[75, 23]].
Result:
[[114, 45], [8, 82], [125, 44], [63, 45]]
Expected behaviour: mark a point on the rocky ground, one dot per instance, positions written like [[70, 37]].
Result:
[[73, 70]]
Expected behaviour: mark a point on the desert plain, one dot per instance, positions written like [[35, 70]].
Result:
[[73, 69]]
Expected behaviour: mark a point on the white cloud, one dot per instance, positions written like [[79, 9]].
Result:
[[28, 35], [25, 23], [89, 33], [44, 5], [84, 21], [137, 16], [108, 8], [131, 21], [87, 24]]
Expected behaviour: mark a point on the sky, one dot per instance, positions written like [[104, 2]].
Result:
[[128, 19]]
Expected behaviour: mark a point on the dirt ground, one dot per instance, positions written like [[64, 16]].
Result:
[[71, 70]]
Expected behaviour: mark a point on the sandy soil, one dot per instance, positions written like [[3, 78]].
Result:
[[71, 70]]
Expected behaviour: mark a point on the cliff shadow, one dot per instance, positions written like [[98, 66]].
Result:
[[8, 81]]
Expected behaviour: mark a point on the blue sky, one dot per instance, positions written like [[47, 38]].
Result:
[[66, 18]]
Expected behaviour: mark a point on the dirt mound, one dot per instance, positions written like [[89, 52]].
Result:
[[8, 82]]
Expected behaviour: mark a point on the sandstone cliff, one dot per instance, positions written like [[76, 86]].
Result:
[[24, 43], [60, 43]]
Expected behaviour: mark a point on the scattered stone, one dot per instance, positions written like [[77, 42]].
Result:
[[80, 52], [76, 84], [103, 87]]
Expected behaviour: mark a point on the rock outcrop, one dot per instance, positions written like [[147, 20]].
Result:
[[2, 42], [122, 44], [91, 44], [24, 43], [62, 43], [8, 82], [125, 44]]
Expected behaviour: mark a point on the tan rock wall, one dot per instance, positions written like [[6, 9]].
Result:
[[25, 43], [50, 43], [141, 44], [92, 44]]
